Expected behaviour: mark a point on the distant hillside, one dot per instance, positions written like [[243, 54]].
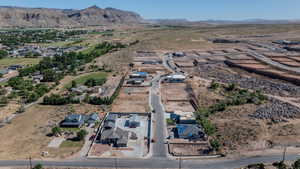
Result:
[[44, 17], [182, 22]]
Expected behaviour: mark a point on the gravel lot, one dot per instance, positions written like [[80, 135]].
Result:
[[276, 110], [283, 89]]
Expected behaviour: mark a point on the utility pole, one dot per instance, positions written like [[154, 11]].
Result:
[[180, 161], [284, 153], [116, 163], [30, 163]]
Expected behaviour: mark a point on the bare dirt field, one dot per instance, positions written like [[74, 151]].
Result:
[[27, 136], [132, 99]]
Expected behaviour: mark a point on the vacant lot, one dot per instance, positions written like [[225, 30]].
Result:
[[132, 99], [27, 136]]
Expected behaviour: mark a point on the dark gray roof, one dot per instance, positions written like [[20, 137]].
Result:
[[74, 120], [116, 133], [109, 124], [189, 131], [111, 117]]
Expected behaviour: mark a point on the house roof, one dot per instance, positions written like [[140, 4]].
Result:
[[3, 71], [176, 76], [109, 124], [74, 118], [189, 131], [117, 133], [111, 117], [94, 116], [139, 74]]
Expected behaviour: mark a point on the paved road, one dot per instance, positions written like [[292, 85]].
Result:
[[159, 148], [154, 163]]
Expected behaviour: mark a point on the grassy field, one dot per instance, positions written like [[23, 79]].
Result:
[[81, 80], [21, 61], [71, 144]]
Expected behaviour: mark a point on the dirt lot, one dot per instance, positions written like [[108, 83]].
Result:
[[132, 99], [239, 133], [27, 136], [176, 98]]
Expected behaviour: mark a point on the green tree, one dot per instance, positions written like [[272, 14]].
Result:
[[3, 54], [214, 85], [56, 131], [81, 135], [231, 87], [74, 84], [208, 127], [3, 101], [215, 144]]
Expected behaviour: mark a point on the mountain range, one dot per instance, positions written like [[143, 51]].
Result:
[[47, 18]]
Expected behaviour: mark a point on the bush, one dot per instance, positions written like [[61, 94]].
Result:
[[280, 165], [38, 166], [170, 122], [296, 164], [231, 87], [3, 54], [215, 144], [100, 101], [81, 135], [256, 166], [55, 99], [3, 101], [74, 84], [56, 131], [208, 127], [214, 85]]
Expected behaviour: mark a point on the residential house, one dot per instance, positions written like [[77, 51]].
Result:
[[143, 75], [191, 132], [73, 120], [92, 118], [37, 78], [178, 54], [116, 137], [135, 81], [177, 78]]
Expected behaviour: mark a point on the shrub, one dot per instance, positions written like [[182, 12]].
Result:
[[74, 84], [170, 122], [38, 166], [280, 165], [3, 54], [208, 127], [256, 166], [231, 87], [56, 131], [81, 135], [215, 144], [214, 85], [3, 101], [296, 164]]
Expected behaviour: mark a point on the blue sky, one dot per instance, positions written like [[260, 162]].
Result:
[[189, 9]]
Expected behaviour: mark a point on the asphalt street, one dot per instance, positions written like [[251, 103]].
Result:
[[159, 147]]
